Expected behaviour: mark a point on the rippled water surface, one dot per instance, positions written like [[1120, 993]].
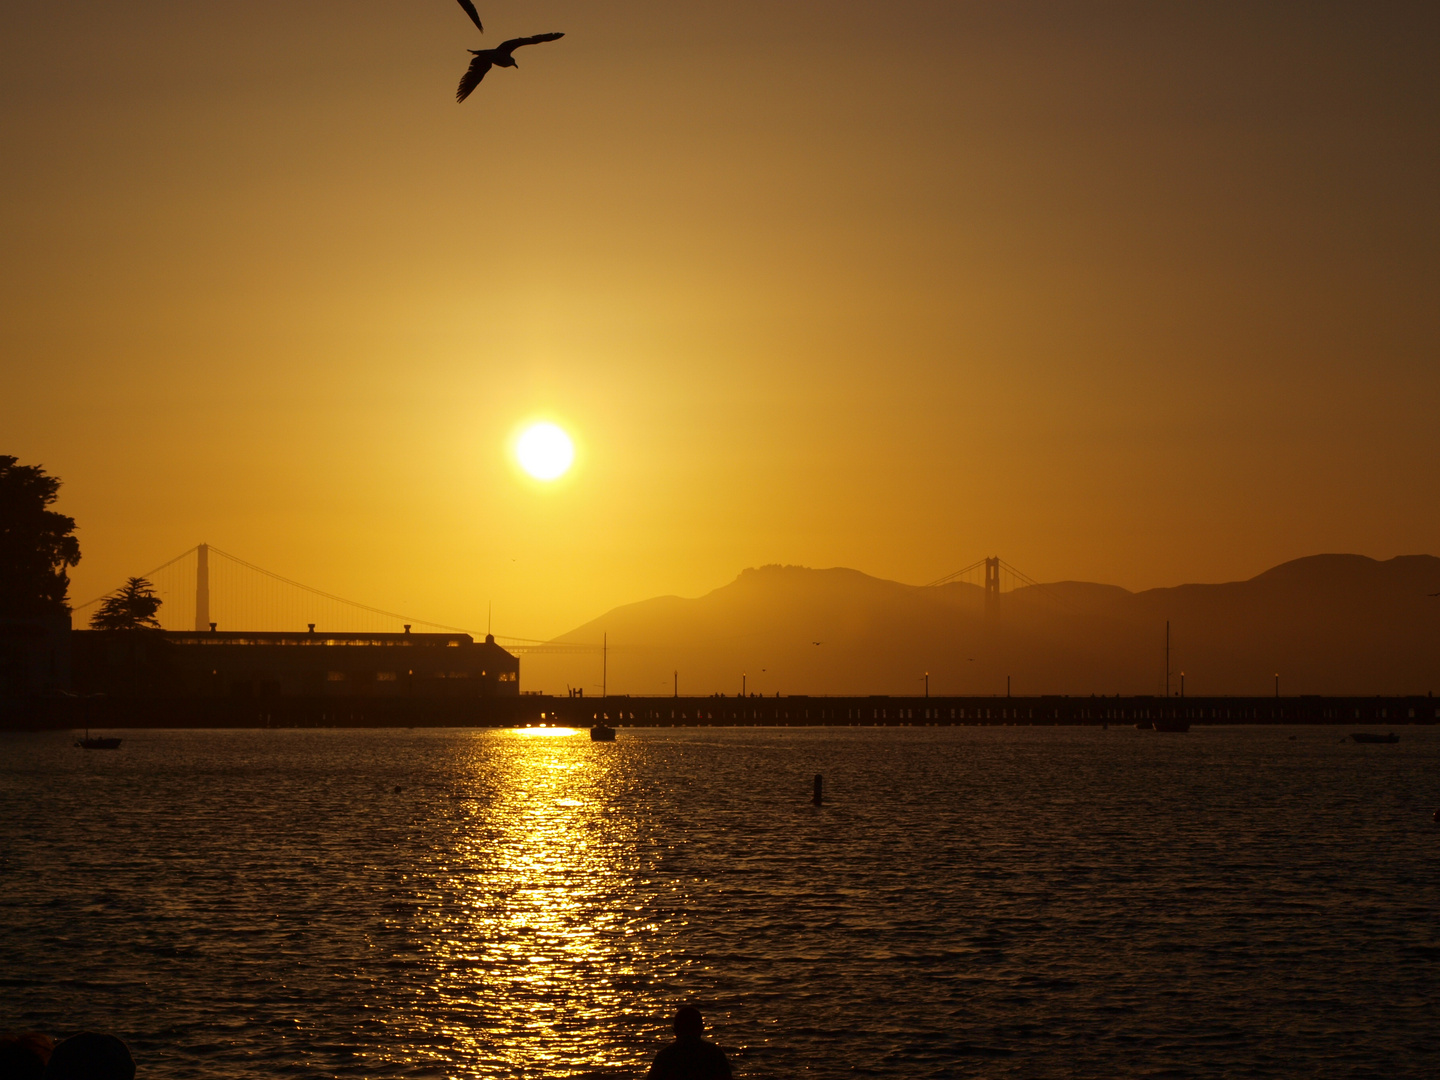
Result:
[[1027, 902]]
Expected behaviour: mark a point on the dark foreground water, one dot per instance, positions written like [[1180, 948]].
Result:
[[1026, 902]]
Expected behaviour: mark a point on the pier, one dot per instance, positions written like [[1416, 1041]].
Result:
[[880, 711], [57, 713]]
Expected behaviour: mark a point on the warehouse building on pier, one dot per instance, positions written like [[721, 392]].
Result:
[[253, 664]]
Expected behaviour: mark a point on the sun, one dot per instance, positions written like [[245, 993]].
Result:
[[545, 451]]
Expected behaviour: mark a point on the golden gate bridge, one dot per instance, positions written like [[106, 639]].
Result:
[[206, 587]]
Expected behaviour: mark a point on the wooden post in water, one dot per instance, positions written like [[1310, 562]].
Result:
[[819, 790]]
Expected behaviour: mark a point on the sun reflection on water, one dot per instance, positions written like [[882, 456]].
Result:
[[534, 940], [542, 730]]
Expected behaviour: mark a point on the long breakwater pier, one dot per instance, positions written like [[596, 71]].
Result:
[[882, 711], [529, 710]]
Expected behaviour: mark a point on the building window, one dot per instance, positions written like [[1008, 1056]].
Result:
[[335, 676], [384, 676], [508, 676]]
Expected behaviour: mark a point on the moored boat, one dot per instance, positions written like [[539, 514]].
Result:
[[602, 733], [1180, 726], [98, 742], [1373, 737]]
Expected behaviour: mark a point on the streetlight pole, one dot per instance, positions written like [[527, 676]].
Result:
[[927, 684]]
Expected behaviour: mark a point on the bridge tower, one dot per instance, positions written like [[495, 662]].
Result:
[[202, 587], [992, 596]]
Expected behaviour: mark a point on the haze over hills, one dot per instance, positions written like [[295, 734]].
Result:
[[1328, 624]]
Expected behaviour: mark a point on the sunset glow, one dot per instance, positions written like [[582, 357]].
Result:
[[1150, 275]]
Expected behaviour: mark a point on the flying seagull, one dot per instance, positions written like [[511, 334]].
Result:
[[485, 59]]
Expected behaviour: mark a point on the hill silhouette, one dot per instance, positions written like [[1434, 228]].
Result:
[[1328, 624]]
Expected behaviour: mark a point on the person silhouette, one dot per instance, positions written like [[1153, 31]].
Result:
[[690, 1057], [91, 1055]]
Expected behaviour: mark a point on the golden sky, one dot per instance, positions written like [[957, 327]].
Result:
[[1129, 292]]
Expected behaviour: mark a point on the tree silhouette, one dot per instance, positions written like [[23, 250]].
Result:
[[36, 543], [131, 607]]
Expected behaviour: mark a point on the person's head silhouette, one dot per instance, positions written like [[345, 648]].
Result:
[[688, 1023], [91, 1056], [690, 1057]]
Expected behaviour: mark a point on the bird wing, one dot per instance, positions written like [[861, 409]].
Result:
[[471, 79], [474, 15], [510, 46]]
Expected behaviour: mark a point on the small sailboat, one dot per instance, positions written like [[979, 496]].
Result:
[[97, 743]]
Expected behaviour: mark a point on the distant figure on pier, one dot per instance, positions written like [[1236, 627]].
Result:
[[91, 1056], [690, 1057], [819, 796]]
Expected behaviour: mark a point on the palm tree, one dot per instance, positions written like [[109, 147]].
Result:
[[131, 607]]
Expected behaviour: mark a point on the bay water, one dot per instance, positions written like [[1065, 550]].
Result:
[[969, 901]]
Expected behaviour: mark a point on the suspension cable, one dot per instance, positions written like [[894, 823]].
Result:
[[951, 577], [147, 574], [338, 599], [524, 644]]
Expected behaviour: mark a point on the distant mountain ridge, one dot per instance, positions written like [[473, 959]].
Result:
[[1327, 624]]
